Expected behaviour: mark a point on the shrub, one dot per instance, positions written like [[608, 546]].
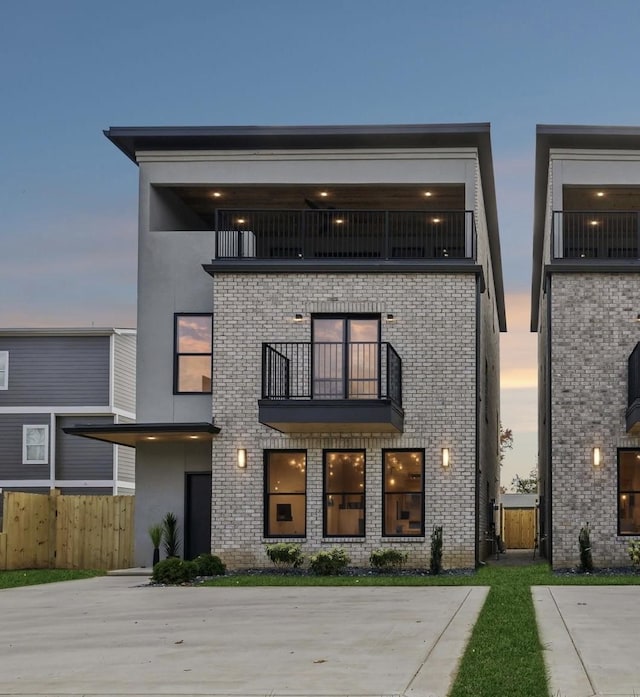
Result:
[[329, 563], [285, 555], [386, 559], [634, 553], [435, 562], [584, 539], [174, 571], [170, 530], [209, 565]]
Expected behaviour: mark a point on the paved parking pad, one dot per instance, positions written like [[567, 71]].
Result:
[[112, 636], [590, 639]]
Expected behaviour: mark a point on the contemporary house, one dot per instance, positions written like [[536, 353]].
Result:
[[319, 311], [51, 379], [585, 308]]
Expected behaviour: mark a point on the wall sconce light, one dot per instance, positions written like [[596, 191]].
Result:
[[390, 318], [242, 458], [597, 457], [298, 317], [445, 457]]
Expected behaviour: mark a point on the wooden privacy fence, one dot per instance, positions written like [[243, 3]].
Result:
[[519, 528], [50, 531]]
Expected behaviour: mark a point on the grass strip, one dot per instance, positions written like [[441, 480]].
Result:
[[31, 577]]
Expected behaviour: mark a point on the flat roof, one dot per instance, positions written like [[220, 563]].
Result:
[[133, 434], [64, 331], [574, 137], [132, 139]]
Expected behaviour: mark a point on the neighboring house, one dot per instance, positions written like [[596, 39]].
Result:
[[50, 380], [330, 377], [585, 308]]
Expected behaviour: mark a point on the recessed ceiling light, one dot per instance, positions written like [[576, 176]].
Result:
[[428, 193], [216, 194], [324, 194], [436, 220], [194, 437], [600, 194], [593, 222], [241, 221], [151, 437], [338, 221]]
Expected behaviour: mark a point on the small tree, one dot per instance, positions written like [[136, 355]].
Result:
[[170, 530], [526, 485], [505, 442], [435, 563], [584, 539]]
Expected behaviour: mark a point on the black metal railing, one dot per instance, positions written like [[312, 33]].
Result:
[[331, 370], [350, 234], [634, 376], [596, 234]]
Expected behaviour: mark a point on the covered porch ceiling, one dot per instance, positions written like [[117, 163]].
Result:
[[133, 435], [600, 198]]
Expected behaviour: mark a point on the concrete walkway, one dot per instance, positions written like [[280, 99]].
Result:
[[110, 636], [590, 639]]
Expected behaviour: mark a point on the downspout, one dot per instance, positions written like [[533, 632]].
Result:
[[477, 425], [548, 483]]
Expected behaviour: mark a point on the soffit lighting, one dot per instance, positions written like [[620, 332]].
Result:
[[599, 194], [436, 220], [216, 194], [339, 221], [151, 437], [428, 194], [593, 222], [324, 194], [241, 220]]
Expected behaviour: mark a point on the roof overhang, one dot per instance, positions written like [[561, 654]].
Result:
[[550, 137], [134, 434], [452, 135]]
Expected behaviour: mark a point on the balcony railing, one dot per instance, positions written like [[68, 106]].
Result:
[[328, 370], [346, 234], [634, 376], [601, 235]]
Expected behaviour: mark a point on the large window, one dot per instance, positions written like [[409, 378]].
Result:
[[346, 354], [192, 370], [403, 498], [285, 493], [35, 444], [4, 370], [629, 492], [344, 493]]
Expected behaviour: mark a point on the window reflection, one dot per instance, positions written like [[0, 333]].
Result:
[[193, 353]]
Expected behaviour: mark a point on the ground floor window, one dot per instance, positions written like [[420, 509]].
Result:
[[285, 493], [403, 495], [344, 477], [35, 444], [629, 492]]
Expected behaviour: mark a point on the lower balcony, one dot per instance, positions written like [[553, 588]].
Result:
[[314, 387]]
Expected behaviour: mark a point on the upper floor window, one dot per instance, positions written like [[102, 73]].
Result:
[[35, 444], [192, 367], [346, 351], [285, 493], [403, 499], [4, 370], [629, 492]]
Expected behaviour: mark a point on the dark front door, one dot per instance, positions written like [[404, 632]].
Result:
[[197, 514]]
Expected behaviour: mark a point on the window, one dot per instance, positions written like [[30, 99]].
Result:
[[344, 493], [346, 353], [35, 445], [192, 370], [403, 497], [4, 370], [629, 492], [285, 493]]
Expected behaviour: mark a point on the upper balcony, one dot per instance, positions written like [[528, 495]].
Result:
[[351, 386], [581, 236], [347, 236]]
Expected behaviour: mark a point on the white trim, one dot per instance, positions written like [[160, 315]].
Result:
[[60, 483], [52, 449], [124, 413], [112, 362], [96, 411], [64, 331], [4, 358], [25, 429], [40, 483], [114, 459], [84, 483], [125, 485]]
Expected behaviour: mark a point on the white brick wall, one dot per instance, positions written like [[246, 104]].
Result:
[[434, 333]]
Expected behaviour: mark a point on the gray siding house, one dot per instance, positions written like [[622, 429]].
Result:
[[319, 312], [585, 308], [51, 380]]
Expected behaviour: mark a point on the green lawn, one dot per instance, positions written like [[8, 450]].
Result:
[[504, 655], [30, 577]]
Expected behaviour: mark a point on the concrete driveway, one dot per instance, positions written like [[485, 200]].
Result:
[[590, 637], [111, 636]]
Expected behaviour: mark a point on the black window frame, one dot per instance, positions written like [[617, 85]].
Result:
[[619, 492], [345, 344], [385, 493], [178, 354], [325, 494], [267, 494]]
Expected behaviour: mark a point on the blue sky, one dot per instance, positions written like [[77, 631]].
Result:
[[69, 69]]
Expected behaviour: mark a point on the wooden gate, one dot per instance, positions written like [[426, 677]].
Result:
[[41, 531], [519, 528]]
